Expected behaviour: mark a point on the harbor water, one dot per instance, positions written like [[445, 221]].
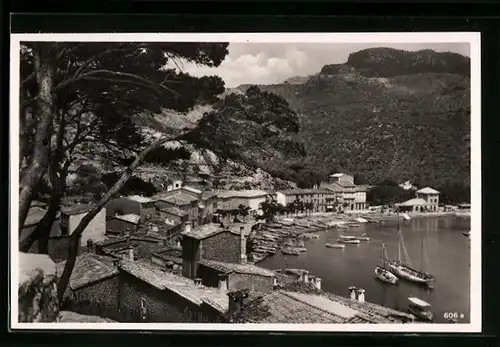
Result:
[[446, 255]]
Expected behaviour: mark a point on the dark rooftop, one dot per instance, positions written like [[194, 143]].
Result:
[[175, 211], [89, 268], [76, 209], [238, 268]]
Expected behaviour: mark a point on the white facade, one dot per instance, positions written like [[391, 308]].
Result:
[[95, 230]]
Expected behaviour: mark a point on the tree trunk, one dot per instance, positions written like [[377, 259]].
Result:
[[45, 109], [75, 236]]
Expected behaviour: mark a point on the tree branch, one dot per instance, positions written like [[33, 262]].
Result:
[[75, 236]]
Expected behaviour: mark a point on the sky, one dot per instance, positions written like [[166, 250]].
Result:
[[269, 63]]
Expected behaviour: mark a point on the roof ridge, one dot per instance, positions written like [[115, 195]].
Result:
[[316, 307]]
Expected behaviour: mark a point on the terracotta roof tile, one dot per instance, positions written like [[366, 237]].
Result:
[[238, 268], [89, 268]]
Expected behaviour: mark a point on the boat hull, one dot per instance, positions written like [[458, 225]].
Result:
[[421, 314], [334, 245], [409, 274], [385, 275], [349, 242]]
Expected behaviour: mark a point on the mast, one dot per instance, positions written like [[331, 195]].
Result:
[[422, 254]]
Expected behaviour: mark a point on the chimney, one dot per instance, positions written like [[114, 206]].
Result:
[[178, 243], [361, 295], [275, 281], [317, 283], [131, 253], [197, 281], [306, 277], [187, 227], [222, 282], [243, 246], [237, 302], [352, 292]]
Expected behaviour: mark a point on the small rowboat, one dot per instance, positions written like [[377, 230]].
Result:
[[334, 245], [363, 238], [385, 275], [420, 309], [349, 241], [290, 251]]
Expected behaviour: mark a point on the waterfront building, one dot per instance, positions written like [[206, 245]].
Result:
[[230, 200], [347, 195], [320, 198], [71, 216], [431, 197]]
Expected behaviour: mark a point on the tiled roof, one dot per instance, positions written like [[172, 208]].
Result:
[[140, 199], [175, 211], [238, 268], [286, 307], [182, 286], [207, 195], [204, 231], [180, 199], [89, 268], [304, 191], [131, 218], [35, 215], [77, 209], [427, 190], [192, 189], [413, 202], [226, 194]]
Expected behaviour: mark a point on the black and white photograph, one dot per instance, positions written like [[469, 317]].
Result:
[[277, 182]]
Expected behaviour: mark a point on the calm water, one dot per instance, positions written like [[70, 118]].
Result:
[[446, 256]]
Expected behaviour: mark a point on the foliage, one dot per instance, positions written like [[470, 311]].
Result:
[[133, 186], [413, 126], [257, 128], [388, 194]]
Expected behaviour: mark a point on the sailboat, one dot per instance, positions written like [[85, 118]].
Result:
[[382, 273], [404, 269]]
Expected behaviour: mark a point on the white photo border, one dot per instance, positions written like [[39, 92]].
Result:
[[472, 38]]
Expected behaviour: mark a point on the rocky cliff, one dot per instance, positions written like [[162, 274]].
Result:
[[387, 113]]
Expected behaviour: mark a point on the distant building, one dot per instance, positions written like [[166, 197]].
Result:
[[408, 186], [347, 195], [212, 242], [135, 204], [319, 197], [182, 200], [122, 224], [427, 200], [431, 197], [131, 248], [230, 200], [71, 217]]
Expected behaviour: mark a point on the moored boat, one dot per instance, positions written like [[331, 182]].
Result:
[[334, 245], [349, 241], [382, 273], [466, 233], [385, 275], [290, 251], [420, 309]]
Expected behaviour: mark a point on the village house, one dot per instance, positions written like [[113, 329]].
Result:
[[347, 195], [318, 197], [131, 247], [71, 217], [122, 224], [135, 204], [57, 244], [212, 242], [230, 200], [426, 200], [233, 276], [169, 257], [152, 294], [92, 286]]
